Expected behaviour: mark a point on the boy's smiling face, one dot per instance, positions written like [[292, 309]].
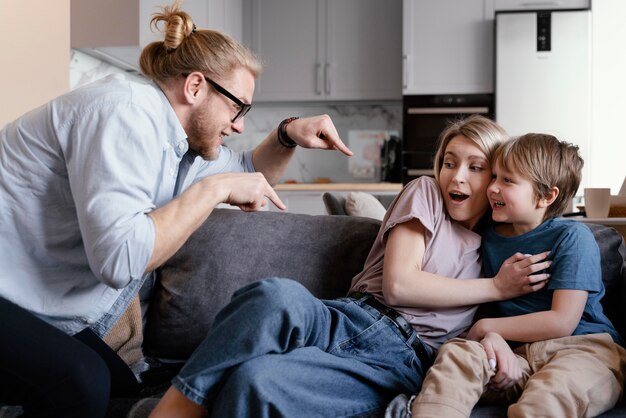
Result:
[[513, 200]]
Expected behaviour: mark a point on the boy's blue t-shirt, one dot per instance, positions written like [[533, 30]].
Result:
[[575, 265]]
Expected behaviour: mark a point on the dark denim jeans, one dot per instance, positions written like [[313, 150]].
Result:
[[276, 350], [52, 374]]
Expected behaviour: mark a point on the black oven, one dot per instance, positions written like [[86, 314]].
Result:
[[424, 117]]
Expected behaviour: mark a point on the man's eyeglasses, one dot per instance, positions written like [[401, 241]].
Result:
[[243, 107]]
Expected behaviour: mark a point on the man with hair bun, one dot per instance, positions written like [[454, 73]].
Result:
[[102, 185]]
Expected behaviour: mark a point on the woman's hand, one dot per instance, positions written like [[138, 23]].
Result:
[[516, 275], [503, 360]]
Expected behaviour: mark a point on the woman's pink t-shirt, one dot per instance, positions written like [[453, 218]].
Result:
[[451, 250]]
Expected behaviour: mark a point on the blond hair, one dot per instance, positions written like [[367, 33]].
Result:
[[547, 163], [186, 49], [482, 131]]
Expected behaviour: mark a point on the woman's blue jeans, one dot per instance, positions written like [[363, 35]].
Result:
[[277, 351]]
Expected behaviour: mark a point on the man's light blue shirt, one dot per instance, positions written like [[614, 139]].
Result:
[[78, 178]]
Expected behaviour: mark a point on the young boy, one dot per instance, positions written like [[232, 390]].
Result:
[[567, 359]]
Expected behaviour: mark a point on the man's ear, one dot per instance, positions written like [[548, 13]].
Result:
[[549, 199], [192, 87]]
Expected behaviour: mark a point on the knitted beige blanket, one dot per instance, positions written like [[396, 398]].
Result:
[[126, 336]]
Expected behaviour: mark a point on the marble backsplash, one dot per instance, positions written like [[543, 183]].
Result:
[[307, 165]]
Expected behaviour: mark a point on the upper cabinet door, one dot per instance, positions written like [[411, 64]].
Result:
[[448, 46], [317, 50], [117, 30], [364, 50], [96, 23], [225, 16], [222, 15], [125, 22], [288, 36]]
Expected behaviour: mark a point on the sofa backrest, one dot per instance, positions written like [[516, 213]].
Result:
[[233, 248], [613, 259]]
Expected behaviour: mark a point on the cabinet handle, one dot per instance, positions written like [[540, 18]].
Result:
[[405, 71], [319, 78], [419, 172], [327, 77]]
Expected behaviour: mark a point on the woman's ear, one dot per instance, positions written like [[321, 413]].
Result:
[[549, 199], [192, 87]]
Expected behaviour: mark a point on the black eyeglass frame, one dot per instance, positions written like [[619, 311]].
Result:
[[244, 108]]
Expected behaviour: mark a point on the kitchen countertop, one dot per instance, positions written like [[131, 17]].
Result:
[[340, 187], [604, 221]]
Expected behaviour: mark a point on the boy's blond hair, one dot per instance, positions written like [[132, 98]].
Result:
[[547, 163]]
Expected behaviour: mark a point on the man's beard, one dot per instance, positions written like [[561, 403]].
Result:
[[200, 139]]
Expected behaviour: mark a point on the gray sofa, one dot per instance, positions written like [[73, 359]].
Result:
[[234, 248]]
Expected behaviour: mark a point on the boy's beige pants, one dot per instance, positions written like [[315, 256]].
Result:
[[578, 376]]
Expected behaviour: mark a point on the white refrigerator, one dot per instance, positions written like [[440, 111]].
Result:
[[543, 75]]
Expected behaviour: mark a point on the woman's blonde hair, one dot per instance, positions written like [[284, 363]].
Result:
[[186, 49], [483, 131], [547, 163]]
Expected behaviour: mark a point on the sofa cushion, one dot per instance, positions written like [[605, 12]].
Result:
[[234, 248], [612, 257], [335, 203], [364, 204]]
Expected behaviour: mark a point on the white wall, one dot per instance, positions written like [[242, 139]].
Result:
[[608, 140], [35, 54]]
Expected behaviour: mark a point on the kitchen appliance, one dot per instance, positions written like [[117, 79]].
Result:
[[391, 160], [424, 118], [543, 75]]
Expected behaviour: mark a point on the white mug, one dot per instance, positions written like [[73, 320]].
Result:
[[597, 202]]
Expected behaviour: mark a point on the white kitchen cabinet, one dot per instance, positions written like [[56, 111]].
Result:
[[447, 46], [92, 20], [222, 15], [91, 23], [117, 30], [316, 50]]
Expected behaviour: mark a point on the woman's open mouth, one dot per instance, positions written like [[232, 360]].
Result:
[[458, 197]]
